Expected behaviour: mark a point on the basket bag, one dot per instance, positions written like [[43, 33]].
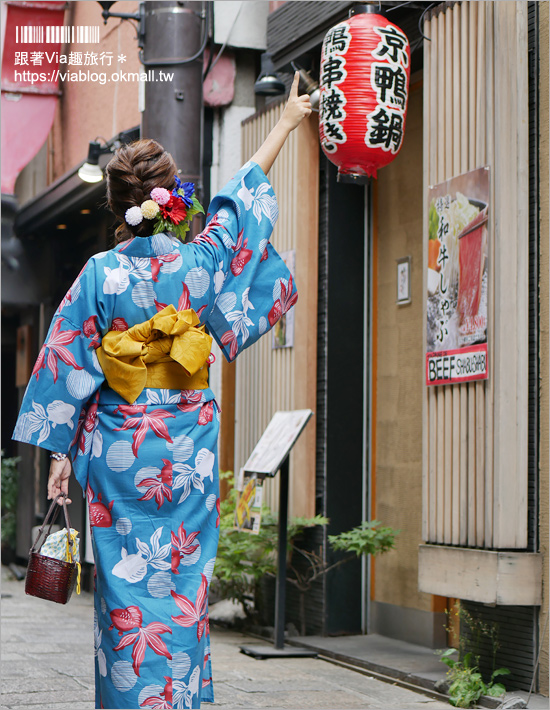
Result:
[[49, 577]]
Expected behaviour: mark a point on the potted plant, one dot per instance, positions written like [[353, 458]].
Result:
[[245, 559]]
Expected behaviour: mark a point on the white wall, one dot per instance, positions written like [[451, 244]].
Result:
[[244, 22]]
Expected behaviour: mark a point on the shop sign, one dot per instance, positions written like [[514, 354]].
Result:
[[456, 347], [364, 84]]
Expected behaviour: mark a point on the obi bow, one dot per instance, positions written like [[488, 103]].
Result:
[[168, 351]]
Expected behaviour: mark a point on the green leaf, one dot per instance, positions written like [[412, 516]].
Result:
[[495, 690], [484, 689], [161, 225], [197, 207], [445, 657], [500, 671], [369, 538], [449, 662], [466, 660], [298, 525]]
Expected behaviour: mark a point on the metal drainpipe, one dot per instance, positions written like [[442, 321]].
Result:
[[173, 113]]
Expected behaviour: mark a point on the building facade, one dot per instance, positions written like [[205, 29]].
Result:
[[461, 470]]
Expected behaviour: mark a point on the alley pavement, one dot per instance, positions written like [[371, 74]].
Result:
[[47, 663]]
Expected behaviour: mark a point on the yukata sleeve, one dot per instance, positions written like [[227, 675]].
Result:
[[67, 372], [252, 285]]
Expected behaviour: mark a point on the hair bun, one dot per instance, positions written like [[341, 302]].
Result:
[[132, 173]]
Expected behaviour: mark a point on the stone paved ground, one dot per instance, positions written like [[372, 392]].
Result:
[[47, 663]]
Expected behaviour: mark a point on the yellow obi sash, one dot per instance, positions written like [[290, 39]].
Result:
[[167, 351]]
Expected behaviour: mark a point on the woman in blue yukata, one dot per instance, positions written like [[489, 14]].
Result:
[[120, 390]]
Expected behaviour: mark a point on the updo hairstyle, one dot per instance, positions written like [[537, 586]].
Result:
[[133, 171]]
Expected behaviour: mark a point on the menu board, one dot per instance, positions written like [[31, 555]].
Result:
[[276, 441]]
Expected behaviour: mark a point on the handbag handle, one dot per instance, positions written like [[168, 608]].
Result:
[[52, 513]]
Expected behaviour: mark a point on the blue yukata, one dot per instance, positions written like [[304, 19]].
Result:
[[149, 467]]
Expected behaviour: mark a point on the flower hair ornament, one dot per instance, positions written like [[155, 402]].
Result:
[[172, 211]]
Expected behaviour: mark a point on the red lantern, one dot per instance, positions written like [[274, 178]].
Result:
[[365, 72]]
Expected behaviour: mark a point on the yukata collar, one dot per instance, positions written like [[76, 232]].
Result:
[[153, 246]]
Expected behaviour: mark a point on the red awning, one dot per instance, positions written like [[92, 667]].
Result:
[[29, 83]]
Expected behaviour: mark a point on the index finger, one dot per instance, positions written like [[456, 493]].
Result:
[[294, 87]]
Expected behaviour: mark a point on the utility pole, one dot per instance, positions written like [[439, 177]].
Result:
[[175, 34]]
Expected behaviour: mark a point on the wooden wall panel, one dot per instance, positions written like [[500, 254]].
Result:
[[511, 270], [475, 450], [267, 379]]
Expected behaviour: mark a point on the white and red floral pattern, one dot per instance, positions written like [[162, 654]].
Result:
[[149, 468]]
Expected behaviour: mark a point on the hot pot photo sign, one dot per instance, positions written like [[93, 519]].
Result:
[[458, 272], [364, 84]]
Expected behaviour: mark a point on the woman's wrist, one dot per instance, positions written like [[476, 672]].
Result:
[[285, 125], [58, 456]]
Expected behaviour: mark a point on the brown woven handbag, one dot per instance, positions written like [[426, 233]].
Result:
[[47, 577]]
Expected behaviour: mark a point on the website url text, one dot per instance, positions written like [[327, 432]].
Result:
[[55, 76]]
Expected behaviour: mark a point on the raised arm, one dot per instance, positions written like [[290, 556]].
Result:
[[296, 109]]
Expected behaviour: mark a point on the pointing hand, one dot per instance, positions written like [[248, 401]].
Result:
[[297, 107]]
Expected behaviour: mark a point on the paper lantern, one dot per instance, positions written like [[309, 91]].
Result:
[[364, 83]]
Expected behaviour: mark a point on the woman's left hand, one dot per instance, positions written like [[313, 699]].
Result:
[[58, 482], [297, 107]]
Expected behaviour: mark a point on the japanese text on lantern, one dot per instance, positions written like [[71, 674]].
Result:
[[333, 73], [389, 82]]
